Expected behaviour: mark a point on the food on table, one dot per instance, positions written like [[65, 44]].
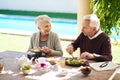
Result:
[[85, 70], [1, 67], [76, 62], [51, 60], [26, 67], [36, 49]]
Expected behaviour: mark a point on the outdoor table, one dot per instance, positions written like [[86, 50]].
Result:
[[14, 73]]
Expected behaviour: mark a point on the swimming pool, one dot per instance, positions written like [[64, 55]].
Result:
[[26, 24]]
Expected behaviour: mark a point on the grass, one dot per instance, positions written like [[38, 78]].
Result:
[[21, 43]]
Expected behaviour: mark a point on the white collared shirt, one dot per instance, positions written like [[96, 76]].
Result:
[[98, 33]]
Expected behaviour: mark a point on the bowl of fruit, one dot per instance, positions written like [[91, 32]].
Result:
[[86, 70], [26, 69]]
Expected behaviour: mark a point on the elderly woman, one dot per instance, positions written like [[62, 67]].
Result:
[[93, 43], [46, 41]]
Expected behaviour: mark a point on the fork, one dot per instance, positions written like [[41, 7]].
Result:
[[72, 56]]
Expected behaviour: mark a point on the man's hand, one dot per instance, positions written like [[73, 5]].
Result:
[[70, 49], [87, 55]]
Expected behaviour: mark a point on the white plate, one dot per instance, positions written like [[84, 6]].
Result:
[[62, 73]]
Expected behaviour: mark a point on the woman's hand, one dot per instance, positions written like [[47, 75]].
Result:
[[46, 49]]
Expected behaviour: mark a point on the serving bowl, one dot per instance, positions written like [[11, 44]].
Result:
[[86, 70]]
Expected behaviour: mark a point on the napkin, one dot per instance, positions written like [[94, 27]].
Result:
[[109, 66]]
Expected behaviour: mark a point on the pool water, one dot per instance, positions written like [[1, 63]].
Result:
[[65, 27], [23, 23]]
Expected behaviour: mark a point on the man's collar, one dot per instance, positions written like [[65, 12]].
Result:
[[99, 32]]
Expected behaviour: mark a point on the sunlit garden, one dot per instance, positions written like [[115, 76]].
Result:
[[107, 11], [21, 43]]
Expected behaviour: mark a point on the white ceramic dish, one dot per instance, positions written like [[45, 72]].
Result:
[[62, 73]]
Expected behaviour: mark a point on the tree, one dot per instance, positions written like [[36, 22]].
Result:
[[109, 13]]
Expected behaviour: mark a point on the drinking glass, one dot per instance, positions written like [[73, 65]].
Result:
[[62, 62]]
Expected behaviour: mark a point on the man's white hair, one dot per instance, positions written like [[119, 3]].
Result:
[[94, 21], [42, 18]]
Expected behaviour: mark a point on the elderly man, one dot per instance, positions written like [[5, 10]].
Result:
[[94, 44]]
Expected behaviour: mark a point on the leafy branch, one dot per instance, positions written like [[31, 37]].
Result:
[[109, 13]]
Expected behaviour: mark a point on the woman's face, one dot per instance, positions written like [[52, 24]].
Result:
[[45, 28]]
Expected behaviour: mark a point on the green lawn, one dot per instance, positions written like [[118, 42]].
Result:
[[21, 43]]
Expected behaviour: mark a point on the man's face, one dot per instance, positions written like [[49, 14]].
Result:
[[86, 29]]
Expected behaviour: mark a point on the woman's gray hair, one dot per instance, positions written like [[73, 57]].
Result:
[[94, 21], [42, 18]]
